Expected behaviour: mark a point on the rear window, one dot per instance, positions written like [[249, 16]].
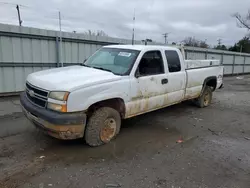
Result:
[[173, 60]]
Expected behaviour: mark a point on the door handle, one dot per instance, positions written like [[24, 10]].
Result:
[[164, 81]]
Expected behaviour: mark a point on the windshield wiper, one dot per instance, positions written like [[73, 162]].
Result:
[[82, 64], [100, 68]]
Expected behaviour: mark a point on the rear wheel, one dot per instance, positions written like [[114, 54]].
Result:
[[102, 126], [205, 98]]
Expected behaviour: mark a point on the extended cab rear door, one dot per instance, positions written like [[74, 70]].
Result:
[[176, 75]]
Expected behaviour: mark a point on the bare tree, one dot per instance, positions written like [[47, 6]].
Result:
[[96, 33], [192, 41], [243, 21], [101, 33], [146, 41], [203, 44]]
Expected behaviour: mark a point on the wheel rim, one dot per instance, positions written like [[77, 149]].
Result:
[[109, 129], [206, 99]]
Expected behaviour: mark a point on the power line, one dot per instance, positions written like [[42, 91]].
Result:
[[17, 6], [30, 7], [67, 19], [13, 4]]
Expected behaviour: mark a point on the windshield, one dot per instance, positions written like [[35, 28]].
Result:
[[115, 60]]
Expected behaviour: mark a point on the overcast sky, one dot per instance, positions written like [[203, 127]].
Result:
[[204, 19]]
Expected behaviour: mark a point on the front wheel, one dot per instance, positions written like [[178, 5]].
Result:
[[102, 126], [205, 98]]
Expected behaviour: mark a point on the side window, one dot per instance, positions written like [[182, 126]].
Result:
[[151, 64], [173, 60]]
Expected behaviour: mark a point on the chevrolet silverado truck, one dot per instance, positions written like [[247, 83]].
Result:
[[117, 82]]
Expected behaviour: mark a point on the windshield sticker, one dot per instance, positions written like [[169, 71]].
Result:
[[125, 54]]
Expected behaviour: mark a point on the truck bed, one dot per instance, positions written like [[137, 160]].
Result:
[[193, 64], [198, 71]]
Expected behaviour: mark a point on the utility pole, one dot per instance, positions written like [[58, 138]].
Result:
[[133, 34], [219, 41], [165, 35], [60, 26], [19, 16]]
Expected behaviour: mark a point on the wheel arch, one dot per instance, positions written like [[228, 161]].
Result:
[[115, 103], [210, 81]]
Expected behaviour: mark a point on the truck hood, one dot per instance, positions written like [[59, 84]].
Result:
[[70, 78]]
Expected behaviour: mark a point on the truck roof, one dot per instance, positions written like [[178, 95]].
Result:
[[141, 47]]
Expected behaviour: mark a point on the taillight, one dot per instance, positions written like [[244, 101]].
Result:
[[220, 77]]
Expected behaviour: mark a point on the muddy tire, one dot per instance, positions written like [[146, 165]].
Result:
[[102, 126], [205, 98]]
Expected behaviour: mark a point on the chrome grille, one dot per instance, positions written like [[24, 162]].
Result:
[[37, 95]]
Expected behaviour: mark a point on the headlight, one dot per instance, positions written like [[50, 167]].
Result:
[[57, 107], [59, 95]]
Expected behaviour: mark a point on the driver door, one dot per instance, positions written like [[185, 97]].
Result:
[[149, 87]]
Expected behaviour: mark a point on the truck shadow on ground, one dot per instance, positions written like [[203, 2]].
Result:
[[146, 133]]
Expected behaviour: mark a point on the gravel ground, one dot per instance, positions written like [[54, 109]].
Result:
[[214, 153]]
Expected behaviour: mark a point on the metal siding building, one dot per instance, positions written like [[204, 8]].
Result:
[[25, 50]]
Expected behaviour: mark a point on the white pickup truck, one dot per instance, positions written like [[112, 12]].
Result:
[[117, 82]]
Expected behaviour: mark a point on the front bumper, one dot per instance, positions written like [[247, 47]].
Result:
[[66, 126]]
